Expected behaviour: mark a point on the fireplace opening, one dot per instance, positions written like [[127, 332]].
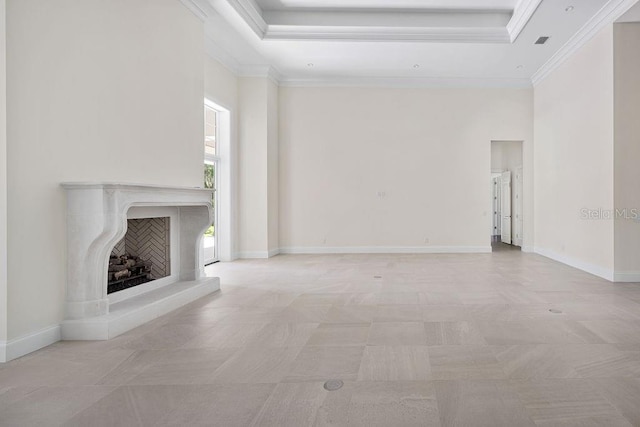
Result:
[[143, 255]]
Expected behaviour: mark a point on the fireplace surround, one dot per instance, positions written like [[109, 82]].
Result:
[[97, 215]]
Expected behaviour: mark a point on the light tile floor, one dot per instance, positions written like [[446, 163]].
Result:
[[424, 340]]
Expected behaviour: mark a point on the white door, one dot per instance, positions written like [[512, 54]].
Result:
[[495, 206], [517, 208], [505, 210]]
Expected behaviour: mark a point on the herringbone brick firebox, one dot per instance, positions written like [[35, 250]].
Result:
[[147, 243]]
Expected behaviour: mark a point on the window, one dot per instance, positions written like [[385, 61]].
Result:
[[211, 170], [210, 131]]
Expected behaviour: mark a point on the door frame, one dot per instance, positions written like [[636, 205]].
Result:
[[496, 169], [517, 207], [226, 232]]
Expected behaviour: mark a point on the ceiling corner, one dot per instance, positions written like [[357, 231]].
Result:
[[215, 52], [262, 71], [613, 10]]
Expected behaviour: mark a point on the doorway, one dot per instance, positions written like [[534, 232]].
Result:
[[211, 178], [220, 175], [506, 194]]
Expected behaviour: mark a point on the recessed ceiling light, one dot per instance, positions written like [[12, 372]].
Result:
[[310, 65], [519, 67], [569, 9], [416, 65]]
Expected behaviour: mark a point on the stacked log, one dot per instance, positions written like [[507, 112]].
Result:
[[125, 266], [121, 274]]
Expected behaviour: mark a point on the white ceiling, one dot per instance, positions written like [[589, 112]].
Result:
[[389, 4], [483, 55]]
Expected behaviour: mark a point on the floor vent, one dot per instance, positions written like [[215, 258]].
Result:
[[333, 385]]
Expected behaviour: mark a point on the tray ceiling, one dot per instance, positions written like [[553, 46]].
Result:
[[389, 4], [357, 42]]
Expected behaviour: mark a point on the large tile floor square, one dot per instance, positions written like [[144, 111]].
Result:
[[503, 339], [397, 333]]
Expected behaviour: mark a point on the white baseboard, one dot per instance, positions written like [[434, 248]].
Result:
[[18, 347], [528, 249], [274, 252], [596, 270], [253, 255], [120, 323], [258, 254], [387, 250], [627, 276]]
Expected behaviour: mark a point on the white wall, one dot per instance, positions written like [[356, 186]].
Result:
[[98, 90], [258, 167], [370, 169], [221, 87], [506, 155], [627, 150], [220, 84], [3, 179], [573, 119], [273, 167], [252, 168]]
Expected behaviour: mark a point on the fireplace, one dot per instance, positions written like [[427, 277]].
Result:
[[134, 252]]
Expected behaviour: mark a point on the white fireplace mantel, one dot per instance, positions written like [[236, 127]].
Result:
[[96, 221]]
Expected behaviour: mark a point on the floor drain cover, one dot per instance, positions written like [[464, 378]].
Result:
[[555, 311], [333, 385]]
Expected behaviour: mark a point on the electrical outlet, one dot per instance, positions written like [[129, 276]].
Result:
[[426, 240]]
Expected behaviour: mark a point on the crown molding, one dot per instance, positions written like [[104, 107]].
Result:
[[227, 60], [613, 10], [200, 8], [406, 82], [522, 14], [253, 16], [273, 74], [251, 13], [261, 71], [356, 33]]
